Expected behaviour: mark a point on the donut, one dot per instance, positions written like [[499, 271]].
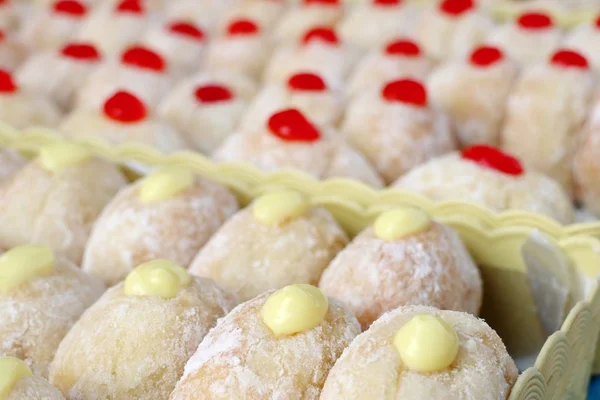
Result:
[[405, 258], [134, 342], [417, 353], [280, 344], [396, 127], [169, 214], [290, 140], [585, 39], [279, 240], [56, 198], [41, 297], [17, 382], [486, 176], [10, 163], [12, 50], [307, 14]]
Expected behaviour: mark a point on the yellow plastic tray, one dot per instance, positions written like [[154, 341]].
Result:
[[511, 249]]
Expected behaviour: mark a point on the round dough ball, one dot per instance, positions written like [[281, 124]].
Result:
[[241, 358], [250, 257], [371, 367], [10, 163], [430, 267], [23, 385], [135, 347]]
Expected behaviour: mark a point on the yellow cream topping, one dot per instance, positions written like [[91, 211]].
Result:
[[57, 156], [427, 344], [165, 183], [279, 207], [401, 222], [12, 370], [294, 309], [157, 278], [24, 263]]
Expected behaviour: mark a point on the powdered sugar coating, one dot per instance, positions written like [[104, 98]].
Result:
[[129, 232], [23, 110], [585, 39], [395, 137], [136, 347], [249, 258], [202, 13], [327, 157], [240, 357], [10, 163], [451, 178], [431, 268], [526, 46], [371, 367], [34, 388], [12, 52], [36, 315], [299, 18], [56, 209], [48, 30]]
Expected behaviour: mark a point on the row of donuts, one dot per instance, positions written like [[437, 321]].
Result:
[[134, 340]]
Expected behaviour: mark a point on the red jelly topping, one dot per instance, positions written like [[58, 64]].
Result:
[[243, 27], [144, 58], [124, 107], [187, 29], [387, 2], [485, 56], [291, 125], [406, 91], [569, 59], [131, 6], [322, 2], [491, 157], [307, 82], [323, 34], [534, 21], [2, 35], [597, 23], [7, 84], [70, 7], [81, 51], [456, 7], [403, 47], [213, 93]]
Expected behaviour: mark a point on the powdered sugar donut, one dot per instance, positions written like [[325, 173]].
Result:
[[22, 109], [169, 214], [585, 164], [546, 112], [56, 198], [424, 353], [19, 382], [141, 71], [309, 13], [320, 51], [404, 259], [289, 140], [158, 316], [399, 58], [285, 241], [474, 93], [532, 38], [486, 176], [305, 91], [396, 128], [265, 12], [58, 75], [12, 51], [10, 163], [585, 39], [452, 29], [123, 118], [208, 107], [264, 349], [53, 26], [41, 297]]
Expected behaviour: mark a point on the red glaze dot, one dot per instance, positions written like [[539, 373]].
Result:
[[597, 23], [456, 7], [406, 91], [187, 29], [2, 36], [213, 93], [534, 21], [491, 157], [131, 6], [141, 57], [70, 7], [322, 34], [243, 27], [486, 56], [81, 51], [307, 82], [569, 59], [124, 107], [322, 2], [291, 125], [7, 84], [403, 47], [387, 2]]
